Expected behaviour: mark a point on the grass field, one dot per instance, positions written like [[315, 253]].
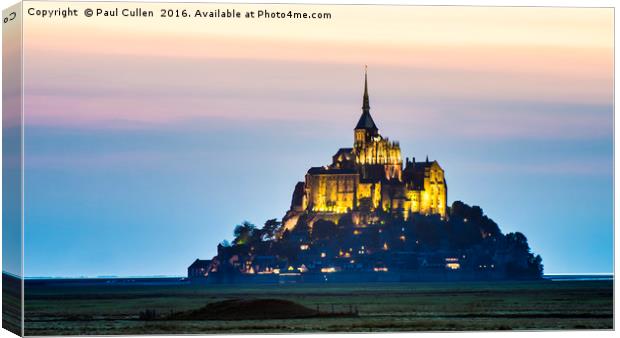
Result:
[[114, 309]]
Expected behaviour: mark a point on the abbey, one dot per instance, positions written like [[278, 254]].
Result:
[[369, 177], [369, 217]]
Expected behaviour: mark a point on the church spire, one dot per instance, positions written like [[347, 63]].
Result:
[[365, 122], [366, 104]]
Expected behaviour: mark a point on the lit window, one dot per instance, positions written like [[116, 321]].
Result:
[[453, 266]]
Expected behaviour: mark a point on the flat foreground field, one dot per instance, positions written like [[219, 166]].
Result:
[[114, 309]]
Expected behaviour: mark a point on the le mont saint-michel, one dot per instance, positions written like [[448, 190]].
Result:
[[368, 216]]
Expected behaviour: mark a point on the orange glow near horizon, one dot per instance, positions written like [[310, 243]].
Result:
[[568, 50]]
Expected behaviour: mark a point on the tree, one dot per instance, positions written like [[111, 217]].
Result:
[[301, 227], [427, 230], [346, 221], [520, 262], [270, 228], [469, 225], [243, 232], [323, 229], [536, 266], [517, 243]]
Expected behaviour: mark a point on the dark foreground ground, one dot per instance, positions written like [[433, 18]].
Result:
[[115, 309]]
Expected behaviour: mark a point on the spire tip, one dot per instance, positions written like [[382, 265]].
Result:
[[366, 104]]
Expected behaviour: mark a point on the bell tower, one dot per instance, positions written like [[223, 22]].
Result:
[[366, 127]]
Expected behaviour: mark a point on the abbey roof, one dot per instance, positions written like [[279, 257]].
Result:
[[366, 121]]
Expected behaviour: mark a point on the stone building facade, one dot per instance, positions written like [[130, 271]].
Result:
[[368, 177]]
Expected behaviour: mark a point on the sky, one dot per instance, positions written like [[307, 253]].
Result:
[[11, 149], [145, 144]]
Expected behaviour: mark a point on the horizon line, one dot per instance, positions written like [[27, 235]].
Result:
[[179, 276]]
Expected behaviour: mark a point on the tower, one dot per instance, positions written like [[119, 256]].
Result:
[[366, 127]]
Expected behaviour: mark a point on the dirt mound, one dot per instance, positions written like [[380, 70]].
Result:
[[248, 309]]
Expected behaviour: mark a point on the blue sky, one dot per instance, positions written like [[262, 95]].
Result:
[[143, 159], [104, 202]]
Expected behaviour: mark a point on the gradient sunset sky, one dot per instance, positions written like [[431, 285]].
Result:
[[148, 139]]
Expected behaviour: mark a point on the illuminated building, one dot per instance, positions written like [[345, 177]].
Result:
[[368, 177]]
